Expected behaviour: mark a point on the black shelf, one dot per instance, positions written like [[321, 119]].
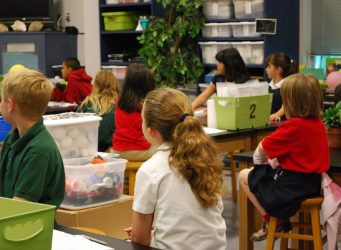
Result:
[[232, 39], [228, 20], [121, 32], [105, 6], [116, 63]]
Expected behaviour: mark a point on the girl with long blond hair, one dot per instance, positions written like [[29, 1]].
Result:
[[178, 190], [102, 102]]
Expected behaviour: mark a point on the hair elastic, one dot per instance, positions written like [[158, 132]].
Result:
[[183, 117]]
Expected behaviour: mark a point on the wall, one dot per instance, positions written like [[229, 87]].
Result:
[[305, 32], [84, 14]]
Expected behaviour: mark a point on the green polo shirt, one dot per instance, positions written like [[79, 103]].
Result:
[[106, 126], [31, 167]]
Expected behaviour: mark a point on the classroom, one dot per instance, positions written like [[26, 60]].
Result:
[[170, 124]]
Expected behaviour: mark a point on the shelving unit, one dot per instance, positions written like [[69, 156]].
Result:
[[285, 40], [118, 42]]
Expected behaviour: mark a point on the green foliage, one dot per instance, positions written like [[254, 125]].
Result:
[[169, 43], [331, 117]]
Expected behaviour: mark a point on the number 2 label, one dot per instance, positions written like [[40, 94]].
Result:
[[252, 109]]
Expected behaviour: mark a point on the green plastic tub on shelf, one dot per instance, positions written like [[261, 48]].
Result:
[[120, 20], [25, 225]]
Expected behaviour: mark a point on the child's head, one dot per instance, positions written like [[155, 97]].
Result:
[[231, 65], [138, 82], [29, 91], [104, 93], [69, 65], [192, 153], [280, 64], [301, 96]]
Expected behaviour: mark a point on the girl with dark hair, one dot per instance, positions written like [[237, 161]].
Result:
[[278, 67], [178, 190], [128, 139], [230, 67]]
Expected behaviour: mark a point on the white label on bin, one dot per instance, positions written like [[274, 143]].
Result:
[[246, 30], [214, 9], [247, 7]]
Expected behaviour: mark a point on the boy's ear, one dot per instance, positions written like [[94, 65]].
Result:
[[10, 105]]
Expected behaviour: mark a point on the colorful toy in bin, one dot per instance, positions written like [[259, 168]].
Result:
[[90, 182]]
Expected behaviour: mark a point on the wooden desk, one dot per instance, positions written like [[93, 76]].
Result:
[[249, 218], [111, 242]]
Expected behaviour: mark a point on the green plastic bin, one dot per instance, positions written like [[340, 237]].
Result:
[[25, 225], [242, 112], [120, 20]]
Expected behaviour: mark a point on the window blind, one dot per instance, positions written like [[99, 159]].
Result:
[[326, 27]]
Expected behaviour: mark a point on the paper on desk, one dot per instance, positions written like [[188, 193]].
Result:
[[65, 241], [213, 131]]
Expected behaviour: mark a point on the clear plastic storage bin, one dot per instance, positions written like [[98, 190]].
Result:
[[217, 30], [251, 52], [76, 134], [89, 185], [218, 9], [210, 49], [243, 9], [118, 71], [244, 29], [258, 8]]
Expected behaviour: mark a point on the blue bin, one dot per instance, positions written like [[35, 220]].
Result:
[[5, 128]]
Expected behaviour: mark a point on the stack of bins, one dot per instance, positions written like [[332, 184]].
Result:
[[88, 183]]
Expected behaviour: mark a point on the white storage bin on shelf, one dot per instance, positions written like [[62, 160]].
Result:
[[76, 134], [217, 30], [243, 9], [251, 52], [218, 9], [210, 49], [89, 185], [118, 71], [244, 29], [258, 8]]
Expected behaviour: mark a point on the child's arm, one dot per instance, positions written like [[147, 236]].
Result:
[[141, 229], [277, 116], [259, 156], [203, 97]]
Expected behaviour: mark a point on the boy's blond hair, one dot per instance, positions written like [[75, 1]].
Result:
[[30, 90], [301, 96]]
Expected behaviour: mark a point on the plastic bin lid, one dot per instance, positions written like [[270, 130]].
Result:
[[70, 118], [243, 23], [218, 24], [120, 13]]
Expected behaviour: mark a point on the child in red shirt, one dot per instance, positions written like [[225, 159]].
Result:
[[128, 139], [78, 83], [289, 162]]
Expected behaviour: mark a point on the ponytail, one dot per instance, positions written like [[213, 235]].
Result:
[[194, 155]]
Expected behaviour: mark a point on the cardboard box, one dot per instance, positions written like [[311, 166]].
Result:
[[242, 112], [111, 218]]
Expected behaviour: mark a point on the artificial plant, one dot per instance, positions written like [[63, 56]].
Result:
[[169, 43], [331, 117]]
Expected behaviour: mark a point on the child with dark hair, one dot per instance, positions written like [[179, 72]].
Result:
[[78, 83], [230, 67], [278, 67], [128, 139]]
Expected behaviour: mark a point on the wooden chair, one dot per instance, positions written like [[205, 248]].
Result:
[[311, 206], [131, 170]]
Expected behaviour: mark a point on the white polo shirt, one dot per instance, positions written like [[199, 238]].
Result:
[[179, 220]]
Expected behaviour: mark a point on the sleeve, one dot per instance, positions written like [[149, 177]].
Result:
[[279, 143], [32, 179], [71, 92], [57, 95], [145, 195]]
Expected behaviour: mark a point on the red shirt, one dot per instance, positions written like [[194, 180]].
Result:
[[78, 87], [300, 145], [128, 134]]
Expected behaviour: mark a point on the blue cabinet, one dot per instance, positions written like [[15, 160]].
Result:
[[36, 50]]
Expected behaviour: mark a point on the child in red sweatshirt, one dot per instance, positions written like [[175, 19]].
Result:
[[78, 83]]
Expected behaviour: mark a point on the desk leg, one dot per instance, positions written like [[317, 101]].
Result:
[[234, 180], [245, 221]]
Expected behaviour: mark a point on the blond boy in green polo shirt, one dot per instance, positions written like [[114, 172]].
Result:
[[31, 167]]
